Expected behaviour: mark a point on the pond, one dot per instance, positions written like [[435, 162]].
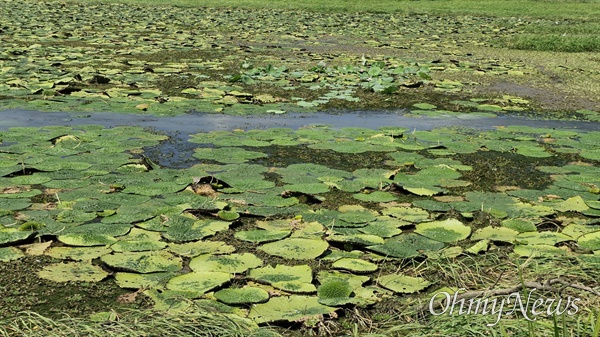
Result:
[[317, 208]]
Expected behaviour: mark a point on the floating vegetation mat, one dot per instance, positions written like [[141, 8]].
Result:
[[273, 240], [168, 60]]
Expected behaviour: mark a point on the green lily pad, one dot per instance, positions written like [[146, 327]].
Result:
[[233, 263], [245, 295], [495, 234], [198, 282], [590, 241], [403, 284], [573, 204], [77, 253], [576, 230], [357, 217], [335, 292], [144, 262], [72, 271], [355, 265], [282, 274], [260, 236], [449, 230], [410, 214], [407, 246], [479, 247], [538, 250], [137, 245], [542, 238], [12, 235], [191, 249], [183, 228], [289, 308], [359, 239], [296, 248], [520, 225], [86, 239], [139, 281], [10, 253]]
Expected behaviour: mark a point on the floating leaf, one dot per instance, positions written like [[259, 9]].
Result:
[[245, 295], [495, 234], [334, 292], [403, 284], [449, 230], [260, 236], [355, 265], [72, 271], [537, 250], [10, 253], [590, 241], [12, 235], [139, 281], [542, 238], [233, 263], [144, 262], [296, 248], [77, 253], [86, 239], [198, 282], [407, 246], [196, 248], [289, 308]]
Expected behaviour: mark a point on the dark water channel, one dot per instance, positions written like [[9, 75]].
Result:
[[176, 152]]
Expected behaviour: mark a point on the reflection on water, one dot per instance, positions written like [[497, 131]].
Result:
[[176, 152], [193, 123]]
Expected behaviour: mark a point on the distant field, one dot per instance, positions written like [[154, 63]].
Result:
[[580, 10]]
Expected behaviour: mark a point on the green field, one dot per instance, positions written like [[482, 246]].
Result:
[[315, 231]]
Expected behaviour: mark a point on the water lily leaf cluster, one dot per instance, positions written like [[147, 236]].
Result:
[[206, 232], [141, 61]]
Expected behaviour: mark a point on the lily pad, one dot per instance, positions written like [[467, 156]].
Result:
[[12, 235], [538, 250], [144, 262], [245, 295], [590, 241], [260, 236], [296, 248], [10, 253], [407, 246], [191, 249], [198, 282], [232, 263], [495, 234], [355, 265], [73, 271], [139, 281], [77, 253], [403, 284], [449, 230], [289, 308], [542, 238], [86, 239], [334, 292]]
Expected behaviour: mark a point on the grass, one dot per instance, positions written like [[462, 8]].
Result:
[[580, 10], [495, 270], [133, 323]]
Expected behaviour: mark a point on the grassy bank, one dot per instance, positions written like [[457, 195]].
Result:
[[580, 10]]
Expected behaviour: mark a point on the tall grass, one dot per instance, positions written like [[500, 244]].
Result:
[[133, 323]]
